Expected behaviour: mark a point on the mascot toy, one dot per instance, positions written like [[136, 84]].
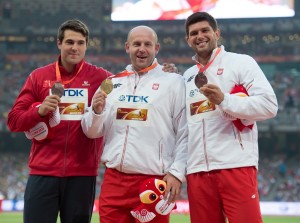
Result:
[[153, 204]]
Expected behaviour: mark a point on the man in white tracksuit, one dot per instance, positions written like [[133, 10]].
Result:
[[223, 154], [143, 122]]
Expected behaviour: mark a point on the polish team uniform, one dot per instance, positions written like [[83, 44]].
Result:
[[214, 142], [145, 134]]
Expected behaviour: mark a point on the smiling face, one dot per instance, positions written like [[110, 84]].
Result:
[[142, 47], [202, 39], [73, 47]]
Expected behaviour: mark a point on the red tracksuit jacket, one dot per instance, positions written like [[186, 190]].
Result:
[[69, 152]]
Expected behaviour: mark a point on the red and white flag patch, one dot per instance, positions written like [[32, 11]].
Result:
[[155, 86], [220, 71]]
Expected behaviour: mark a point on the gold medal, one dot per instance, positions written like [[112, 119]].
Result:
[[57, 89], [107, 86]]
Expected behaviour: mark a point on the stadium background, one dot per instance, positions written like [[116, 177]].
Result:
[[28, 31]]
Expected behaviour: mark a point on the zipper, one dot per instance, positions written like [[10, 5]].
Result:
[[65, 149], [136, 82], [141, 79], [161, 157], [127, 128], [240, 140], [127, 132], [66, 144], [124, 148], [237, 136], [204, 144]]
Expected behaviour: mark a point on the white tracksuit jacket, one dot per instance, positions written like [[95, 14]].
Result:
[[214, 142], [144, 128]]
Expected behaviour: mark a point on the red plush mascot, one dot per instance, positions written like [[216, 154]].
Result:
[[152, 198], [239, 90]]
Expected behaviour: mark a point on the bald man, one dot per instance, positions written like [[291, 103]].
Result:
[[143, 123]]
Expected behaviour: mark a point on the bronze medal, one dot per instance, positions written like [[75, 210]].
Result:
[[57, 89], [200, 80], [107, 86]]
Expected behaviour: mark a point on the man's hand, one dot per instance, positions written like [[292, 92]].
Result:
[[49, 105], [99, 100], [173, 188], [213, 93], [170, 67]]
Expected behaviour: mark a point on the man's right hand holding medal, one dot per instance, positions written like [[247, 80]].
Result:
[[49, 105], [99, 100]]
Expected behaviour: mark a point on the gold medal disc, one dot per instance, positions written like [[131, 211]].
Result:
[[107, 86]]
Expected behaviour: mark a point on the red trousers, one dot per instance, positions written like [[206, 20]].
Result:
[[120, 194], [220, 194]]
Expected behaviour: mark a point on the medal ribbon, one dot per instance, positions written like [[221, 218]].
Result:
[[202, 68], [127, 73], [58, 75]]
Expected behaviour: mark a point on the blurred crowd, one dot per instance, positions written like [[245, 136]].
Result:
[[279, 178]]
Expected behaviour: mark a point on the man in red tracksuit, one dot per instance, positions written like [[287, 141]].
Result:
[[63, 161]]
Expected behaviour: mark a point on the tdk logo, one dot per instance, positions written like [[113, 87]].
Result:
[[134, 98], [73, 93]]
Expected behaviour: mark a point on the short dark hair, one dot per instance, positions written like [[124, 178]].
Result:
[[199, 17], [74, 25]]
